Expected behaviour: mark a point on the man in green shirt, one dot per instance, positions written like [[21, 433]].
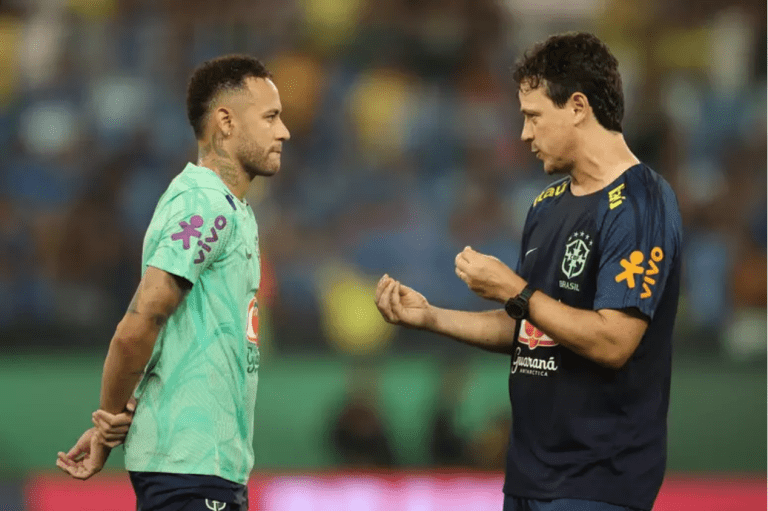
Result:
[[188, 343]]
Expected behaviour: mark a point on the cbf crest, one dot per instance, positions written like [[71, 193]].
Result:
[[577, 250]]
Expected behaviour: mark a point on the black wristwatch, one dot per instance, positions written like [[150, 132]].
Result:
[[517, 306]]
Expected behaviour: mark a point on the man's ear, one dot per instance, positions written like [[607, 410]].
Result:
[[222, 118], [579, 106]]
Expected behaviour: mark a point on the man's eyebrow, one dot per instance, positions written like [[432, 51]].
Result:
[[525, 111], [272, 111]]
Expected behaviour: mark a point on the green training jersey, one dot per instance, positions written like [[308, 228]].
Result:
[[196, 399]]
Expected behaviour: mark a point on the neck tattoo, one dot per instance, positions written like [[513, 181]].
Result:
[[214, 156]]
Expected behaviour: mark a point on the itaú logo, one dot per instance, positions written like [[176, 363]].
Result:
[[534, 337]]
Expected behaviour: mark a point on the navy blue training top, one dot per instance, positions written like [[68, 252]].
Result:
[[580, 430]]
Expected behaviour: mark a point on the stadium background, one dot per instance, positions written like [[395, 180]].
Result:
[[405, 149]]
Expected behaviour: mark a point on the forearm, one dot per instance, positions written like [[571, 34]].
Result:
[[585, 332], [490, 330], [129, 352]]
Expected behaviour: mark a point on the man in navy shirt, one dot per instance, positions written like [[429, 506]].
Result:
[[589, 311]]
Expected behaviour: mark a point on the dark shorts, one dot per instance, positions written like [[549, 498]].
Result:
[[518, 504], [158, 491]]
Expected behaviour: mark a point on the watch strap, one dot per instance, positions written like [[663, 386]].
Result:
[[526, 293]]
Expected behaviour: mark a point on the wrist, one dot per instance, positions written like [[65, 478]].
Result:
[[518, 306], [512, 289], [99, 436], [430, 319]]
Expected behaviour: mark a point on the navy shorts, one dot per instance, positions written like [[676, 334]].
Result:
[[518, 504], [158, 491]]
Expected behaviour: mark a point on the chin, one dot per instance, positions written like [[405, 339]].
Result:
[[553, 169], [262, 170], [271, 168]]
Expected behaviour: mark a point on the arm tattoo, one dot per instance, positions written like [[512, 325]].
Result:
[[181, 288]]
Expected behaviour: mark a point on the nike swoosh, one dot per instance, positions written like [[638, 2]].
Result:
[[531, 250]]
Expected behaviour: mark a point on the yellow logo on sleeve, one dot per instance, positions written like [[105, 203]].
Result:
[[634, 266], [615, 198]]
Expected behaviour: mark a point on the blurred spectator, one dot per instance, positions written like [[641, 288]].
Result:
[[447, 446], [746, 333], [358, 434], [488, 448]]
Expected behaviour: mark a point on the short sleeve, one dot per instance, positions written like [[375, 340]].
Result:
[[194, 228], [639, 240], [524, 242]]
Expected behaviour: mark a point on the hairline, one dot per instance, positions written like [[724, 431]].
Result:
[[231, 91]]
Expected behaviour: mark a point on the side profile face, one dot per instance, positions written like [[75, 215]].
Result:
[[258, 129], [550, 130]]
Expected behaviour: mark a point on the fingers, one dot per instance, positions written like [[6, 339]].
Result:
[[396, 305], [383, 281], [464, 259], [111, 440], [112, 429], [80, 470], [76, 452], [463, 264], [113, 443], [63, 459], [107, 421], [460, 259], [385, 302], [470, 263], [110, 433], [64, 466], [463, 276], [73, 469]]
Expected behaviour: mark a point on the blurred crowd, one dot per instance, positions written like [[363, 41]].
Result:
[[359, 432], [405, 148]]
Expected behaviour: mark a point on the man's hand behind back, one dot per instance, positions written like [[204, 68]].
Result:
[[113, 428], [86, 458]]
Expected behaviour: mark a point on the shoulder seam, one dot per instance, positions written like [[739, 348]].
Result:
[[214, 203]]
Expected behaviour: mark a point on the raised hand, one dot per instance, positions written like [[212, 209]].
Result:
[[487, 276], [401, 305]]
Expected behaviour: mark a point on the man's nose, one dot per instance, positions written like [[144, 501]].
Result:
[[527, 134], [283, 134]]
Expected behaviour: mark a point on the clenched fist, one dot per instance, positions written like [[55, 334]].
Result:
[[487, 276]]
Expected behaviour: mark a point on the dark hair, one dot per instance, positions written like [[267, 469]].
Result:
[[212, 77], [576, 62]]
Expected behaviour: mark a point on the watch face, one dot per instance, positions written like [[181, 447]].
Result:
[[515, 310]]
